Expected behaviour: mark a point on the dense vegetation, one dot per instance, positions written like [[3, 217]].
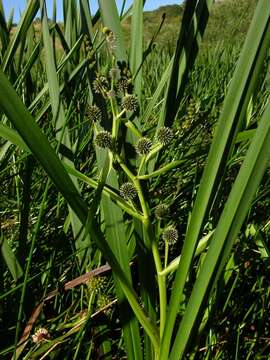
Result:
[[134, 181], [228, 23]]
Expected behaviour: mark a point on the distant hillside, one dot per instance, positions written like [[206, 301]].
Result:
[[229, 22]]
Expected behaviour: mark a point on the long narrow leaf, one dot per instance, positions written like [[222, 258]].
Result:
[[231, 220], [110, 18], [224, 137], [10, 259], [26, 20], [136, 51]]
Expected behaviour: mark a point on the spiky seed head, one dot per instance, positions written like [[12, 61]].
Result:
[[130, 103], [100, 84], [104, 140], [103, 302], [122, 85], [93, 113], [143, 146], [96, 284], [97, 87], [165, 135], [161, 211], [170, 235], [40, 335], [128, 191]]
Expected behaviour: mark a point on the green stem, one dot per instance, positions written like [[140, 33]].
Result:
[[106, 190], [125, 168], [141, 165], [161, 279], [166, 254], [154, 246], [161, 170], [133, 128], [155, 149], [203, 243], [141, 198], [114, 110], [143, 319], [119, 115], [115, 122]]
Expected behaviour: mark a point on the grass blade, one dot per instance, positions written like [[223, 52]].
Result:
[[110, 18], [25, 22], [59, 118], [223, 141], [20, 117], [10, 259], [231, 220], [136, 46]]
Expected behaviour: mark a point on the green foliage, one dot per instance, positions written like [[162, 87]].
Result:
[[135, 184], [228, 23]]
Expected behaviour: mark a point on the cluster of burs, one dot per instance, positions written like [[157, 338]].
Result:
[[115, 89]]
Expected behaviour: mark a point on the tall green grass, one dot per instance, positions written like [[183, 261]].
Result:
[[149, 161]]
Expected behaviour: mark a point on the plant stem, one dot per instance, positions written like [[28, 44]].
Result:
[[133, 128], [125, 168], [141, 165], [154, 246], [166, 254], [162, 170]]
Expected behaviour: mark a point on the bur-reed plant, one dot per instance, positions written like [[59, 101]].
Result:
[[89, 127]]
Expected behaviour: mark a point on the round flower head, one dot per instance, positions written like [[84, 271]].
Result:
[[170, 235], [122, 85], [104, 140], [143, 146], [165, 135], [130, 103], [96, 284], [128, 191], [40, 335], [161, 211], [93, 113], [100, 84], [103, 303]]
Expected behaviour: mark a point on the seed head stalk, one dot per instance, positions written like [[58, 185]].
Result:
[[141, 164], [143, 204], [154, 246], [132, 128]]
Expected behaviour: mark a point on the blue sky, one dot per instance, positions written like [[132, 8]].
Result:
[[19, 6]]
